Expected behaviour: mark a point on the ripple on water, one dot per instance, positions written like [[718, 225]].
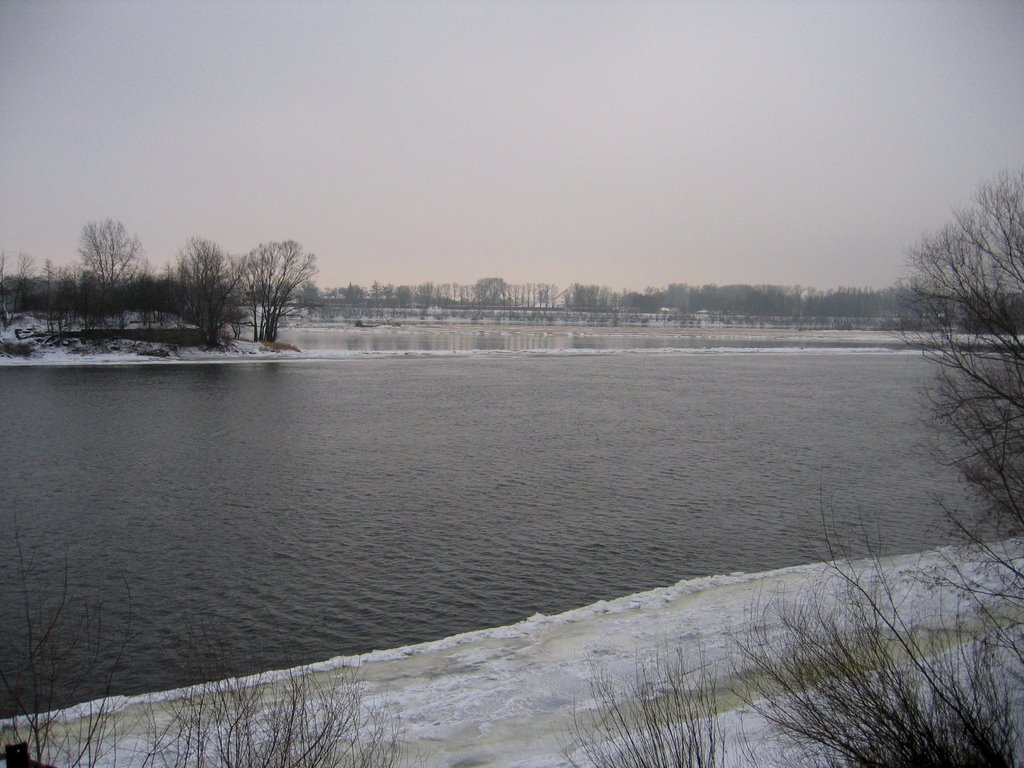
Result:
[[320, 509]]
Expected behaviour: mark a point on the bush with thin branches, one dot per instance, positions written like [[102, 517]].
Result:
[[57, 649], [849, 682], [295, 719], [665, 716]]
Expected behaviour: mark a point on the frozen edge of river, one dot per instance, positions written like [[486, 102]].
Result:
[[504, 696]]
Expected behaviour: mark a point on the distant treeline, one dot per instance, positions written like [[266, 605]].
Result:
[[113, 287], [76, 298], [496, 295]]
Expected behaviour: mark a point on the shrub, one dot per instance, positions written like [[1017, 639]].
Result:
[[664, 716], [298, 720], [290, 719], [850, 683], [14, 349]]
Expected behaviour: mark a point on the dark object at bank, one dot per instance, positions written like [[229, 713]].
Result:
[[185, 337], [16, 756]]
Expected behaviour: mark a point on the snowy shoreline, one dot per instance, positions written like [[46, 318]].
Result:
[[711, 341], [504, 696], [213, 358]]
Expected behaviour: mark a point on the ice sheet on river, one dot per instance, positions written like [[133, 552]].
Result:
[[505, 696]]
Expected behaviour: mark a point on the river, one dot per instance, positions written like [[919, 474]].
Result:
[[310, 507]]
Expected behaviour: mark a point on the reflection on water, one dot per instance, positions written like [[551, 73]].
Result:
[[455, 337]]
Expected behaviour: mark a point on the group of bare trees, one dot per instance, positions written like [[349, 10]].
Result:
[[111, 259], [217, 289], [487, 292], [205, 286]]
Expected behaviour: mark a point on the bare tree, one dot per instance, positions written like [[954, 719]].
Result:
[[968, 294], [547, 294], [208, 278], [665, 715], [425, 294], [109, 252], [271, 275], [490, 291], [354, 295], [113, 257], [21, 281], [403, 296], [4, 317], [13, 289]]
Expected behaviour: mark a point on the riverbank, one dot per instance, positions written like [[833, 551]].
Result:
[[19, 347], [505, 696], [332, 341]]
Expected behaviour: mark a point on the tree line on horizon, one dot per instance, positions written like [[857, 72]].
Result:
[[736, 299], [112, 286]]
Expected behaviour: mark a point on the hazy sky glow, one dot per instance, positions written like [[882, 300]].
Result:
[[628, 144]]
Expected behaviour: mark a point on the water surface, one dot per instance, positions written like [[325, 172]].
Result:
[[313, 508]]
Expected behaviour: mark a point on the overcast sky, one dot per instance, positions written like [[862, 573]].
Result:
[[627, 144]]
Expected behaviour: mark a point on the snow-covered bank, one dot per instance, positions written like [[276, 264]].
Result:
[[506, 343], [194, 357], [125, 352], [505, 696]]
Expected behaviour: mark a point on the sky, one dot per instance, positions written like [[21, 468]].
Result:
[[628, 144]]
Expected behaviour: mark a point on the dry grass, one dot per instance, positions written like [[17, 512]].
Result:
[[278, 346], [665, 715], [15, 349]]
